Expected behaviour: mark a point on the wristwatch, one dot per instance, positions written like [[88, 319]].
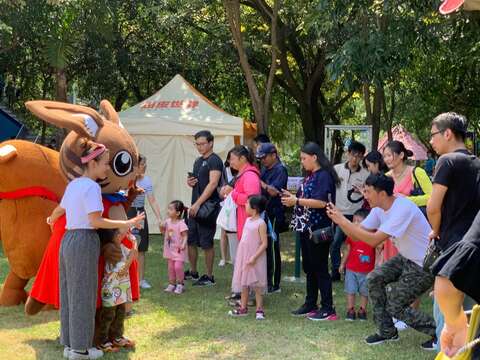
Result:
[[297, 202]]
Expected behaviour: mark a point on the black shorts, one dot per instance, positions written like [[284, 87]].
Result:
[[200, 235], [143, 245]]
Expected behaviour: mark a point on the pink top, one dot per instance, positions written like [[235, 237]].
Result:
[[173, 240], [405, 187], [248, 183]]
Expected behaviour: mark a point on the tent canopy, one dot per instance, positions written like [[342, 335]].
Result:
[[163, 127], [179, 109], [399, 133]]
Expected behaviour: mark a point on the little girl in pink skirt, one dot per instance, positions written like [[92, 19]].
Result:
[[250, 269]]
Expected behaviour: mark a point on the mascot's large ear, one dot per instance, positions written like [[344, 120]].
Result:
[[109, 112], [83, 120]]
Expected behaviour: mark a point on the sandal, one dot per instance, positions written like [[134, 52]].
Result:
[[124, 342], [108, 347], [238, 312]]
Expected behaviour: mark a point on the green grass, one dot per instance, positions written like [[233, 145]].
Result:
[[195, 325]]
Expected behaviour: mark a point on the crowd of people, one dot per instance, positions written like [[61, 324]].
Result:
[[375, 221]]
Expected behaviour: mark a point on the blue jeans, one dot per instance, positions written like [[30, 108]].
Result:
[[468, 304], [338, 239]]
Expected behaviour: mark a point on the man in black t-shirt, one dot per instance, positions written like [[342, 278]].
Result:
[[204, 182], [453, 204]]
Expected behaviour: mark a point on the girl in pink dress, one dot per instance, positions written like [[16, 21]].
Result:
[[174, 244], [250, 270]]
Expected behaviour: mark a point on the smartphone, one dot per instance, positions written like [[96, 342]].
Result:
[[190, 174]]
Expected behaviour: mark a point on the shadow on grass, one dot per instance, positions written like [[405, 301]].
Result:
[[13, 317]]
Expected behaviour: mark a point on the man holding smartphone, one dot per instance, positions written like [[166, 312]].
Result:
[[273, 178], [204, 180]]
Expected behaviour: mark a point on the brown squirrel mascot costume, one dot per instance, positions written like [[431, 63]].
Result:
[[32, 181]]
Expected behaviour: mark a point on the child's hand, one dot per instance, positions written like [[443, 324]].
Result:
[[252, 261], [134, 252], [341, 269]]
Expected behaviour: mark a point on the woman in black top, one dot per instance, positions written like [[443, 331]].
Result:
[[318, 188]]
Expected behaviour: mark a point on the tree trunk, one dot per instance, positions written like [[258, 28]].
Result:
[[60, 85], [373, 111], [232, 9]]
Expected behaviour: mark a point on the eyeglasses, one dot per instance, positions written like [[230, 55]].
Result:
[[436, 132]]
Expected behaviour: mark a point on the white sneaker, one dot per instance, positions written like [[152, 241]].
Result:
[[93, 353], [66, 352], [145, 285], [170, 288], [179, 289], [399, 324], [222, 263]]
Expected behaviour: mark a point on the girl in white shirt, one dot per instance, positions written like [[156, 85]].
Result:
[[79, 252]]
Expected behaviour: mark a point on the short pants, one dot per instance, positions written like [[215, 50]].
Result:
[[200, 235], [356, 283]]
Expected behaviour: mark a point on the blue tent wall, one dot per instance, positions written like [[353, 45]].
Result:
[[9, 127]]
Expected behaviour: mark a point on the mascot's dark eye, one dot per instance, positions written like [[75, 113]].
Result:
[[122, 163]]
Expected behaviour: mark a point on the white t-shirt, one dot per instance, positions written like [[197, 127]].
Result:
[[405, 224], [82, 196], [146, 184], [348, 180]]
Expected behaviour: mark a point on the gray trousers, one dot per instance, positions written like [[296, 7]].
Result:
[[78, 262], [392, 287]]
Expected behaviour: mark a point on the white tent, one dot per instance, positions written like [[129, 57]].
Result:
[[163, 127]]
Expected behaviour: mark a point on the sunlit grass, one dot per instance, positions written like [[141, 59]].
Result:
[[195, 325]]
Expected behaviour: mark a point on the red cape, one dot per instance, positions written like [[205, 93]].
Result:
[[46, 288]]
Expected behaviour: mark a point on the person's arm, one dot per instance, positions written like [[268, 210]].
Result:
[[434, 208], [278, 182], [263, 244], [184, 239], [425, 184], [156, 209], [450, 301], [213, 179], [345, 252], [289, 200], [99, 222], [354, 231], [56, 213], [251, 186]]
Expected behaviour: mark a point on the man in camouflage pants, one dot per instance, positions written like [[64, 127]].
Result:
[[398, 282]]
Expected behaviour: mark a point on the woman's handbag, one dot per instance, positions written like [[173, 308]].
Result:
[[322, 236], [227, 218], [432, 254]]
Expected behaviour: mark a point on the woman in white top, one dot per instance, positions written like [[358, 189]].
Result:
[[79, 252], [138, 206]]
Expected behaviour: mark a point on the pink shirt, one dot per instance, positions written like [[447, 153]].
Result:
[[173, 240], [248, 183], [405, 187]]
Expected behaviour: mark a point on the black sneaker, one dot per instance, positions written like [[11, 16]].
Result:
[[362, 314], [351, 315], [191, 275], [323, 315], [430, 345], [274, 289], [205, 280], [304, 310], [376, 339], [336, 276]]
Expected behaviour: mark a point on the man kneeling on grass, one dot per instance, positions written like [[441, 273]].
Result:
[[396, 284]]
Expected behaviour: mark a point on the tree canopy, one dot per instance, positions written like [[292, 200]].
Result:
[[312, 63]]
